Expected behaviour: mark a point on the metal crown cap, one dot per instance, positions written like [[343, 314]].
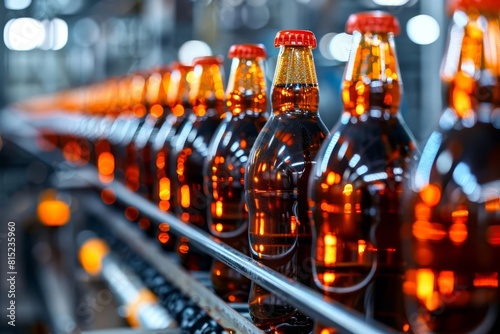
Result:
[[178, 65], [295, 37], [481, 5], [208, 60], [373, 21], [247, 51]]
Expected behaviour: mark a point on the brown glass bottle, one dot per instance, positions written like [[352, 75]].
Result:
[[138, 110], [138, 149], [101, 115], [276, 181], [356, 183], [130, 109], [452, 216], [189, 151], [158, 109], [227, 216], [163, 193]]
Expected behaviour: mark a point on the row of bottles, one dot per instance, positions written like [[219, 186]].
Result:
[[407, 239]]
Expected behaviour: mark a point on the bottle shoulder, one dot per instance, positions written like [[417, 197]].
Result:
[[354, 149], [236, 136], [454, 154], [287, 143]]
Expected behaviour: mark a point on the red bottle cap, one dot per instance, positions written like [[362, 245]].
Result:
[[208, 60], [374, 21], [247, 51], [295, 37], [481, 5], [178, 65]]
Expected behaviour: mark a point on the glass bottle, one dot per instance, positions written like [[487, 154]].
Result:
[[138, 149], [276, 181], [246, 101], [189, 151], [101, 102], [452, 216], [163, 194], [156, 100], [130, 109], [138, 110], [356, 183]]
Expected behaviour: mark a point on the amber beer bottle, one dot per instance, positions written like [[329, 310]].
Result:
[[356, 183], [138, 149], [138, 109], [276, 181], [131, 110], [156, 101], [179, 108], [189, 151], [452, 216], [102, 98], [246, 101]]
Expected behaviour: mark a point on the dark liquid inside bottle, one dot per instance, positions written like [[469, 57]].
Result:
[[277, 178], [228, 219], [187, 161], [356, 215], [452, 283]]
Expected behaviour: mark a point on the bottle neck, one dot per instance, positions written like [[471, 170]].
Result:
[[372, 82], [155, 94], [295, 86], [246, 88], [207, 92], [138, 96], [471, 66], [178, 92]]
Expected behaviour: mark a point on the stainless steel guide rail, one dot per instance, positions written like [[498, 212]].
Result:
[[310, 302]]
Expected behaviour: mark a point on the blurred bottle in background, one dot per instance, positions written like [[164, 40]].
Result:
[[179, 110], [246, 101], [189, 151], [137, 112], [276, 181], [356, 184], [452, 210], [138, 149], [129, 108]]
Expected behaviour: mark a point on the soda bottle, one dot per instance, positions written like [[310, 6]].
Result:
[[156, 100], [102, 113], [189, 151], [276, 181], [138, 110], [355, 187], [452, 211], [179, 107], [130, 109], [138, 149], [177, 100], [246, 101]]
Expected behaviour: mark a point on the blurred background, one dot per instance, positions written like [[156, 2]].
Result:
[[51, 45]]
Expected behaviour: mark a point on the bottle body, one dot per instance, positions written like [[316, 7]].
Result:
[[276, 186], [163, 191], [356, 202], [453, 214], [452, 276], [224, 184], [187, 158]]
